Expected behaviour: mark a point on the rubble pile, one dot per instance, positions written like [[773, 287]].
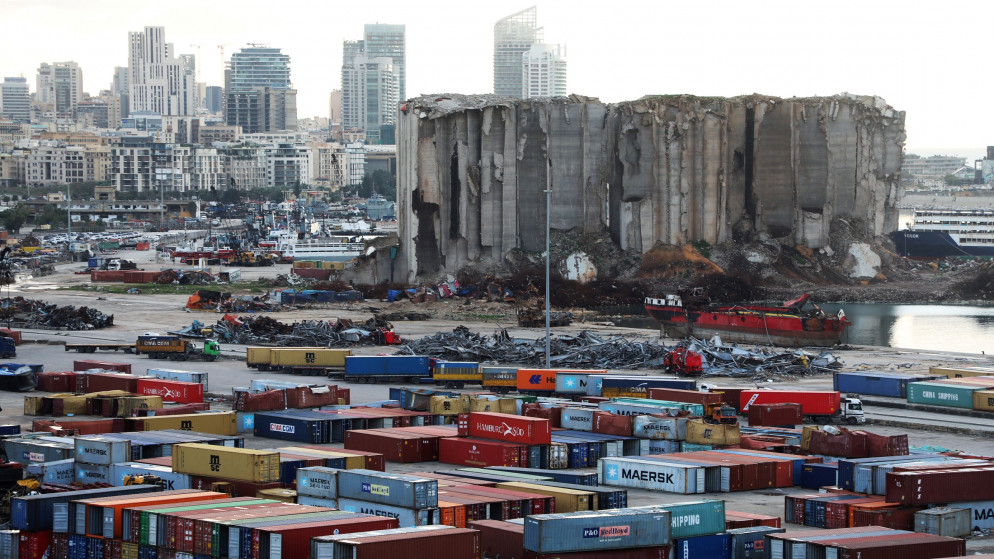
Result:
[[29, 313], [261, 330], [588, 350], [186, 277]]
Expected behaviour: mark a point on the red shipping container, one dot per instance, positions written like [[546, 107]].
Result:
[[237, 488], [175, 391], [898, 519], [748, 520], [554, 415], [33, 545], [345, 396], [112, 549], [775, 414], [13, 334], [898, 545], [881, 445], [260, 401], [305, 397], [658, 552], [100, 382], [846, 445], [612, 424], [940, 486], [837, 512], [730, 396], [533, 502], [295, 539], [477, 452], [690, 396], [87, 364], [511, 428], [501, 539], [455, 543], [89, 427], [57, 381], [395, 447]]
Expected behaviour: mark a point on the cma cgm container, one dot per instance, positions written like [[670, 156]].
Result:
[[391, 489], [653, 475], [241, 464], [637, 386], [596, 531], [510, 428], [940, 394]]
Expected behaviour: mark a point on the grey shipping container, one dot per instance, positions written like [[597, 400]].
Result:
[[659, 446], [317, 501], [318, 481], [60, 471], [579, 419], [670, 428], [981, 513], [102, 450], [596, 531], [397, 490], [943, 521], [185, 376], [407, 517], [92, 473], [652, 475], [748, 543], [170, 480]]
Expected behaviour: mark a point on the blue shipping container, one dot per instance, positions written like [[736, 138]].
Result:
[[387, 365], [876, 383], [34, 512], [596, 531], [288, 427], [716, 546], [816, 476]]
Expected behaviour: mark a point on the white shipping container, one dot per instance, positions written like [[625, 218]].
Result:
[[981, 513], [92, 473], [578, 419], [669, 428], [102, 450], [652, 475]]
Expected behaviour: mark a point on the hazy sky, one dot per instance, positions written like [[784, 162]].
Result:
[[928, 59]]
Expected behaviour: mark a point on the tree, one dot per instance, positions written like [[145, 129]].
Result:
[[230, 196], [953, 180], [385, 184], [14, 218]]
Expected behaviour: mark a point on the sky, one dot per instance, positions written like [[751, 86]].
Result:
[[927, 59]]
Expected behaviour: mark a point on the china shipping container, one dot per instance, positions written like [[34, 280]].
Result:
[[939, 393], [240, 464], [175, 391], [690, 519], [596, 531], [390, 489]]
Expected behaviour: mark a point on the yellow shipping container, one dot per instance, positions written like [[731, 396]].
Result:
[[242, 464], [699, 432], [308, 357], [278, 494], [480, 404], [443, 405], [955, 372], [618, 392], [32, 404], [983, 400], [806, 436], [507, 405], [128, 404], [217, 423], [257, 356], [567, 500]]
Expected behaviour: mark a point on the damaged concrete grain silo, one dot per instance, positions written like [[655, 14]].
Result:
[[667, 169]]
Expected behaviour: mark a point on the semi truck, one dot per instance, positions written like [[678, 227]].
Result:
[[94, 346], [176, 348], [817, 406]]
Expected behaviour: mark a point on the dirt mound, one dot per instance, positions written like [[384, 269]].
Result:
[[670, 261]]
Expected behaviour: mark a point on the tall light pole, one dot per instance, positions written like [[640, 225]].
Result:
[[548, 224], [69, 220]]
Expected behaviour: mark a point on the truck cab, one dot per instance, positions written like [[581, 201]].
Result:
[[211, 350], [851, 410]]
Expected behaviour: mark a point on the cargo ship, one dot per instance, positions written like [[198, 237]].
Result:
[[790, 324], [943, 233]]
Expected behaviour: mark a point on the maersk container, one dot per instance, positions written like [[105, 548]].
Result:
[[981, 513], [670, 428], [749, 543], [102, 450], [170, 480], [689, 407], [652, 475], [572, 383], [318, 481], [939, 394], [397, 490], [954, 522], [406, 516], [596, 531], [92, 473], [626, 408], [876, 383], [35, 512], [61, 472], [578, 419], [714, 546]]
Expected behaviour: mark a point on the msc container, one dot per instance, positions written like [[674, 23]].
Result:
[[714, 546], [175, 391], [578, 419], [510, 428], [59, 472], [652, 427], [35, 512], [652, 475], [102, 450], [231, 463], [749, 543], [184, 376], [943, 521], [595, 531], [390, 489], [218, 423], [318, 481], [940, 394], [171, 480], [407, 517]]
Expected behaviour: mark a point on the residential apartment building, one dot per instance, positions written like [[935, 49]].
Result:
[[329, 164], [49, 165], [60, 87], [10, 174], [140, 164], [288, 165], [99, 112], [355, 164], [543, 71], [219, 133], [13, 130], [158, 82], [258, 93], [245, 166], [374, 81], [15, 99]]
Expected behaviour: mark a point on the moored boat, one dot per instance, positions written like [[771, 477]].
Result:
[[943, 233], [790, 324]]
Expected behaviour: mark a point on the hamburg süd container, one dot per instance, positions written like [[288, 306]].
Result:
[[596, 531], [176, 391], [510, 428], [398, 490], [241, 464]]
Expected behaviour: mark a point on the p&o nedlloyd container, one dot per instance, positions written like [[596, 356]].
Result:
[[397, 490], [596, 531]]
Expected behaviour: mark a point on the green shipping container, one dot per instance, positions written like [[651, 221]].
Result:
[[694, 518], [939, 394]]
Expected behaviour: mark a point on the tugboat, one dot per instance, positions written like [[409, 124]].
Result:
[[789, 325]]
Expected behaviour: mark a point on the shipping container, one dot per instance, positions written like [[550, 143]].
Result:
[[983, 400], [35, 512], [102, 450], [500, 539], [510, 428], [691, 519], [940, 486], [394, 446], [219, 423], [318, 482], [294, 541], [175, 391], [580, 419], [654, 427], [88, 364], [954, 522], [60, 472], [417, 544], [750, 543], [392, 367], [961, 372], [714, 546], [390, 489], [170, 480], [776, 415], [184, 376], [407, 517], [621, 386], [939, 393], [813, 402], [231, 463], [877, 383], [478, 452], [816, 476], [596, 531], [652, 475], [576, 478], [567, 500]]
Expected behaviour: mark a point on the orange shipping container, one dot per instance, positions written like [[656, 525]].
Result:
[[536, 379]]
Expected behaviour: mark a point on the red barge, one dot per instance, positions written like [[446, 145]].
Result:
[[790, 325]]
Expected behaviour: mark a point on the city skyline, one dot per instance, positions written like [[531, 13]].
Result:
[[908, 56]]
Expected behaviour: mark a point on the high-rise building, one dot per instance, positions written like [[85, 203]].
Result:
[[514, 35], [157, 80], [15, 99], [258, 93], [119, 87], [389, 40], [543, 71], [214, 100], [60, 85], [373, 81]]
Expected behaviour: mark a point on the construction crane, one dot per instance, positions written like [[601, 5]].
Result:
[[199, 60], [221, 48]]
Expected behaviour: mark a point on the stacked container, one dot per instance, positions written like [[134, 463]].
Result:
[[411, 500]]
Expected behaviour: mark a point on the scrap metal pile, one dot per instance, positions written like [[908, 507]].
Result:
[[262, 330], [186, 277], [29, 313], [588, 350]]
